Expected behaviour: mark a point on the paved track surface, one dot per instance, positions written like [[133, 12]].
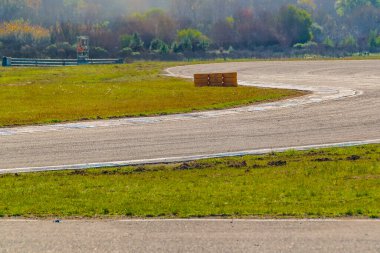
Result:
[[190, 236], [346, 109], [350, 111]]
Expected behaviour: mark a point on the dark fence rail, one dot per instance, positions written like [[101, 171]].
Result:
[[25, 62]]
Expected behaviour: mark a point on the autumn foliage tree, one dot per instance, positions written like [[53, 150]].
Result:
[[23, 38]]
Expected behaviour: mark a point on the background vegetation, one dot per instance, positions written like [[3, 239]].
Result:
[[179, 29]]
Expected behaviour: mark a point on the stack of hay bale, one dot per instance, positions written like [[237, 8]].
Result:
[[216, 80]]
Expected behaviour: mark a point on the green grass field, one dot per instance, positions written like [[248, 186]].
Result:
[[50, 95], [335, 182]]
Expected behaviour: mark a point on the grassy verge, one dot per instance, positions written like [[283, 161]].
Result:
[[333, 182], [51, 95]]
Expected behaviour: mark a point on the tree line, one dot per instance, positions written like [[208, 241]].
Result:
[[188, 28]]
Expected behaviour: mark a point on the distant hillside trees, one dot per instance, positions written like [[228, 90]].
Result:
[[346, 7], [23, 39], [189, 28]]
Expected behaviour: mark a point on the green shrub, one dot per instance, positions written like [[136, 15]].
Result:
[[329, 43], [61, 50], [373, 39], [133, 41], [98, 52], [309, 44], [349, 42], [125, 52], [191, 40]]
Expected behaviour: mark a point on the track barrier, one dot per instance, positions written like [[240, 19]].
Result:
[[216, 80], [25, 62]]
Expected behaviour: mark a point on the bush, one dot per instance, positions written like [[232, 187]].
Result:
[[28, 51], [61, 50], [52, 50], [98, 52], [125, 52], [191, 40], [373, 40], [349, 43], [308, 45], [133, 41], [158, 46], [165, 49], [328, 43]]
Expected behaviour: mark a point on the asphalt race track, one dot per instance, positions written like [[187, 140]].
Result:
[[191, 236], [344, 107]]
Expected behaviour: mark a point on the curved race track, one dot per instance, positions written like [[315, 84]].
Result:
[[345, 107]]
